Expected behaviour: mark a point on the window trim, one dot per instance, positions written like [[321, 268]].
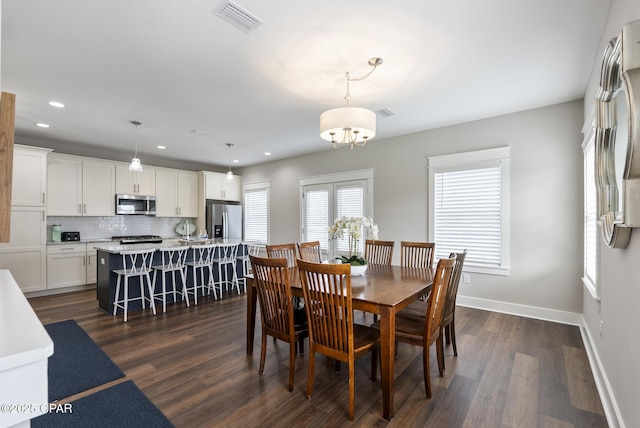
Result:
[[468, 160], [591, 284]]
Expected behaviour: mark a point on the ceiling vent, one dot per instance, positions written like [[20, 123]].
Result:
[[385, 112], [236, 16]]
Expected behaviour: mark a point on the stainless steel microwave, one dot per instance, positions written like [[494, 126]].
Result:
[[135, 205]]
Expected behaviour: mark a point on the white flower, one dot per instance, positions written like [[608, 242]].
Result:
[[354, 227]]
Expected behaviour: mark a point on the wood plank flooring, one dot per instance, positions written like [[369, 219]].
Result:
[[191, 362]]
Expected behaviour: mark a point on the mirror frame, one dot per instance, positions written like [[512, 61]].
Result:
[[618, 209]]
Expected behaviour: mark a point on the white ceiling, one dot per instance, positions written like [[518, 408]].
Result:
[[177, 68]]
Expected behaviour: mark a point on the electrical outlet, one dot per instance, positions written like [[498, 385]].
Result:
[[601, 328], [466, 278]]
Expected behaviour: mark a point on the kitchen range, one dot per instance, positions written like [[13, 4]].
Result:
[[138, 239]]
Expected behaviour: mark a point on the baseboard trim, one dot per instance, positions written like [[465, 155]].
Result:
[[609, 404], [562, 317]]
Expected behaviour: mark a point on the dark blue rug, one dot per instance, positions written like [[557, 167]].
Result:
[[77, 363], [122, 405]]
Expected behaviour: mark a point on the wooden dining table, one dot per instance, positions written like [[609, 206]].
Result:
[[382, 290]]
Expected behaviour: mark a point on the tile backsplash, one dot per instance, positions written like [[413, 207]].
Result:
[[106, 227]]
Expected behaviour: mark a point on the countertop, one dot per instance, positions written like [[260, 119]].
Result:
[[167, 243]]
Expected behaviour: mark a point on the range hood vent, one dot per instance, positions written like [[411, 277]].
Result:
[[236, 16]]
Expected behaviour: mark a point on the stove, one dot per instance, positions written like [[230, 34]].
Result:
[[138, 239]]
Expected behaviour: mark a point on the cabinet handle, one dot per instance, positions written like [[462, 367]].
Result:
[[43, 200], [66, 249], [42, 215], [84, 208], [179, 211], [88, 260], [79, 208], [84, 260]]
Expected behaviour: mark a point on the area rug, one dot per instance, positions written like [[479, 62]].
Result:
[[122, 405], [77, 363]]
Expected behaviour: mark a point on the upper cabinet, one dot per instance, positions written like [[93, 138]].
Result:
[[29, 182], [80, 186], [176, 193], [218, 187], [135, 183]]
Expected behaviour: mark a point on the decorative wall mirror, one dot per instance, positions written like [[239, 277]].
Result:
[[617, 138]]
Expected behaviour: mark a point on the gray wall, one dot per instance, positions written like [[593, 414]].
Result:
[[618, 348], [546, 197]]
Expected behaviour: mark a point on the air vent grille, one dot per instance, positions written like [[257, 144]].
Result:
[[385, 112], [236, 16]]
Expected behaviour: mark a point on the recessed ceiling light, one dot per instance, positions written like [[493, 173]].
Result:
[[56, 104], [161, 147], [43, 125], [267, 153], [236, 161]]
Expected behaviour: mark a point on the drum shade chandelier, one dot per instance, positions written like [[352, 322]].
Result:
[[135, 162], [349, 125]]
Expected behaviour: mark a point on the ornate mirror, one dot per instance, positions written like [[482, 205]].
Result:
[[617, 138]]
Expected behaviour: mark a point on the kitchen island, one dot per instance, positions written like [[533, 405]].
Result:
[[110, 258]]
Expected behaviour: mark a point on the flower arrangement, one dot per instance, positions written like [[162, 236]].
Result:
[[354, 227]]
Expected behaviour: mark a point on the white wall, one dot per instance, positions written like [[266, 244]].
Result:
[[546, 197], [618, 349]]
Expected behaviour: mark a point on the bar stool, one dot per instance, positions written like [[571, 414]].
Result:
[[225, 256], [173, 260], [135, 263], [249, 248], [202, 261]]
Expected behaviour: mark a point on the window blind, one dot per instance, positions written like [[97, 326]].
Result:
[[468, 214], [256, 215], [350, 203], [317, 216]]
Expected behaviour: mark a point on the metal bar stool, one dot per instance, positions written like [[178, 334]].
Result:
[[248, 248], [135, 263], [225, 257], [202, 261], [173, 260]]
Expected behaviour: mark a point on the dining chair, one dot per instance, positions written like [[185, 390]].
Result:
[[277, 314], [310, 251], [425, 330], [135, 263], [285, 251], [172, 261], [378, 252], [417, 254], [448, 330], [332, 332]]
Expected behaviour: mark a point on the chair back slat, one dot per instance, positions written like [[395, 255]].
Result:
[[225, 253], [437, 297], [310, 251], [452, 290], [284, 251], [173, 258], [378, 252], [272, 280], [137, 262], [417, 254]]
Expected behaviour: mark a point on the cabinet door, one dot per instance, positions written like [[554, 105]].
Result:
[[64, 186], [213, 185], [24, 256], [231, 189], [29, 181], [146, 182], [66, 270], [188, 194], [166, 193], [124, 180], [92, 266], [98, 194]]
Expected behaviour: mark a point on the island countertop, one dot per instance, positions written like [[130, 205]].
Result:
[[117, 249]]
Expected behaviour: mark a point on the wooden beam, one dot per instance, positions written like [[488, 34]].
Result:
[[7, 122]]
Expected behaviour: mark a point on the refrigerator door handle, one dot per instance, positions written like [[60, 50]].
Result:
[[225, 226]]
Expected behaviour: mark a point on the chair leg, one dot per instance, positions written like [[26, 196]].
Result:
[[352, 389], [440, 356], [263, 353], [292, 361], [311, 373], [151, 302], [452, 331], [164, 291], [126, 297], [185, 292], [425, 369], [447, 333], [115, 299], [374, 364]]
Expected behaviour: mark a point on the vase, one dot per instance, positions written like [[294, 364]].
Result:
[[358, 270]]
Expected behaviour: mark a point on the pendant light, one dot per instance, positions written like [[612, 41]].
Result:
[[230, 175], [135, 162]]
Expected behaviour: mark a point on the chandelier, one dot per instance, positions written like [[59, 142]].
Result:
[[349, 125], [135, 162], [230, 175]]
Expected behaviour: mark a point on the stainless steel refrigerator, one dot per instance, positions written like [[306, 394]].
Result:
[[224, 220]]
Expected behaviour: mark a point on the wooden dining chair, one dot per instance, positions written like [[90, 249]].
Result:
[[285, 251], [279, 319], [378, 252], [425, 330], [310, 251], [332, 332], [417, 254], [448, 330]]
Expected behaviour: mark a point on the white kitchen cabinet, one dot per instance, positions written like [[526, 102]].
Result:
[[135, 183], [92, 262], [80, 186], [176, 193], [218, 187], [66, 265], [29, 182], [25, 254]]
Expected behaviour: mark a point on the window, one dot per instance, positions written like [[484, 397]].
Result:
[[468, 208], [256, 212], [326, 198], [590, 217]]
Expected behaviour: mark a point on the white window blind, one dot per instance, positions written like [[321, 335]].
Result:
[[350, 203], [256, 215], [317, 216], [590, 216], [468, 208]]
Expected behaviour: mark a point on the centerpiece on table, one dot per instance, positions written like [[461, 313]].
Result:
[[353, 226]]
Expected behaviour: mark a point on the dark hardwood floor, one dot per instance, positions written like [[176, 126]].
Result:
[[191, 362]]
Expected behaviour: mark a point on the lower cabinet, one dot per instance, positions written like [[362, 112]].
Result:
[[92, 263], [66, 265]]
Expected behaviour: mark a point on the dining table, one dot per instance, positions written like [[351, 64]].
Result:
[[383, 290]]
